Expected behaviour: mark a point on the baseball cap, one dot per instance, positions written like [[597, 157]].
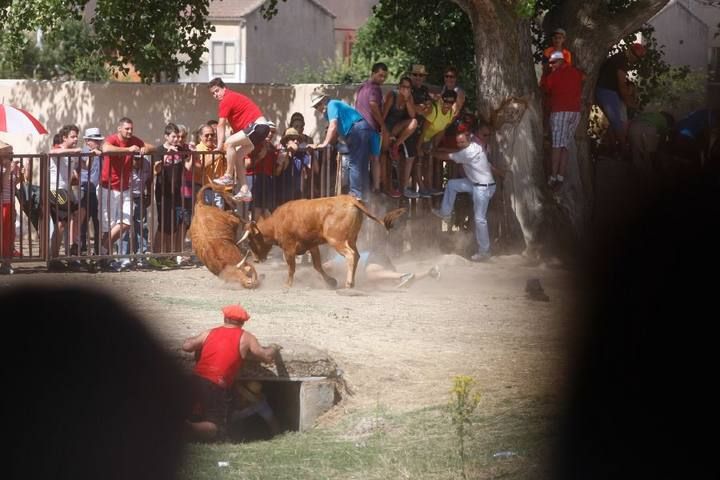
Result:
[[93, 134], [235, 313], [556, 56], [560, 31], [638, 49]]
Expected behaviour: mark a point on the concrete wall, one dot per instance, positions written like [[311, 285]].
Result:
[[685, 37], [300, 36], [150, 106]]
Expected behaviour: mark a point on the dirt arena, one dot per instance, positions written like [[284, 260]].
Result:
[[396, 348]]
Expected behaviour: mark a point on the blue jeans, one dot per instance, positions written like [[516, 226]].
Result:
[[358, 142], [139, 228], [613, 107], [481, 199]]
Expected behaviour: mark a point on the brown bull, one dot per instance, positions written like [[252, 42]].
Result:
[[300, 226], [213, 233]]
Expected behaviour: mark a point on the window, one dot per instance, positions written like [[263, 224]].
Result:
[[223, 58]]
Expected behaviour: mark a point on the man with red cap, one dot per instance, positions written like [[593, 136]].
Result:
[[220, 353], [614, 94]]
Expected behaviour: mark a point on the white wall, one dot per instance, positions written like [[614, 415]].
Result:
[[300, 35], [685, 37], [150, 107]]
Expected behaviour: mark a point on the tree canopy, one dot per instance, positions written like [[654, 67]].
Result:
[[158, 38]]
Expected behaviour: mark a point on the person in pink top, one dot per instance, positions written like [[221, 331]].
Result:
[[115, 197], [249, 129], [220, 354]]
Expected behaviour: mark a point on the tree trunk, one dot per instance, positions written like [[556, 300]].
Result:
[[508, 97]]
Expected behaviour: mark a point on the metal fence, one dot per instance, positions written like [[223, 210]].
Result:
[[59, 209]]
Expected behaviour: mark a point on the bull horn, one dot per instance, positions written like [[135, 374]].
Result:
[[244, 237], [242, 262]]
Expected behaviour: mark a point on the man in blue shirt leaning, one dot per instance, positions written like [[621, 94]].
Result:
[[347, 122]]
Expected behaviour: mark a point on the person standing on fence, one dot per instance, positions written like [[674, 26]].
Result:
[[115, 181], [479, 181], [345, 121], [220, 354], [369, 103], [249, 128]]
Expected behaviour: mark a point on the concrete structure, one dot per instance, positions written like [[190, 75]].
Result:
[[246, 48], [150, 106], [350, 15], [684, 35]]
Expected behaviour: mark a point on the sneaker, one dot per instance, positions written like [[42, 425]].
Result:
[[435, 192], [141, 264], [410, 193], [395, 193], [6, 269], [226, 180], [125, 264], [434, 272], [480, 257], [241, 196], [424, 193], [405, 280], [440, 215]]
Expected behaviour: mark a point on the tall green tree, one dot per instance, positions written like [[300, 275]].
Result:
[[159, 38]]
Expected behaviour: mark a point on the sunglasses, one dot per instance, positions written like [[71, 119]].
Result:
[[449, 76], [448, 102], [209, 135]]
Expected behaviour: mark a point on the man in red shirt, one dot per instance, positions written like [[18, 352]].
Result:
[[564, 87], [116, 214], [221, 352], [249, 129]]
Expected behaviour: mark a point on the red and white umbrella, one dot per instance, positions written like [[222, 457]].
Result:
[[17, 120]]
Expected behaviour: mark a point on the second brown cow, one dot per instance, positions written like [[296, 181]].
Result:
[[302, 226]]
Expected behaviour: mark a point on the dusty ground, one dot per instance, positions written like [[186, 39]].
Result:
[[398, 349]]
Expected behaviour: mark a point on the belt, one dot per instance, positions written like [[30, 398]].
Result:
[[484, 184]]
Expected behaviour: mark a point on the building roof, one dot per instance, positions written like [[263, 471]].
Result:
[[236, 9], [676, 4]]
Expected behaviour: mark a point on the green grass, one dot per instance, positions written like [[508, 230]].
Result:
[[416, 445]]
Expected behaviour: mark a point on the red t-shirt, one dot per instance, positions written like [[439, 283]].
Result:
[[239, 110], [264, 165], [116, 168], [564, 86], [220, 357]]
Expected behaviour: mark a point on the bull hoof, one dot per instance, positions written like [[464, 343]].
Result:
[[331, 283]]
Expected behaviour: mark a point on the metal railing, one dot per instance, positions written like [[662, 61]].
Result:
[[61, 209]]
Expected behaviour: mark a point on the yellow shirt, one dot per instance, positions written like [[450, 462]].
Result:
[[437, 121], [215, 168]]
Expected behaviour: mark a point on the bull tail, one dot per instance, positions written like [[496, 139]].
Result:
[[387, 220]]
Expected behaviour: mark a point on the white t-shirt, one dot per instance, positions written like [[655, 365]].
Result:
[[475, 163], [61, 180]]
